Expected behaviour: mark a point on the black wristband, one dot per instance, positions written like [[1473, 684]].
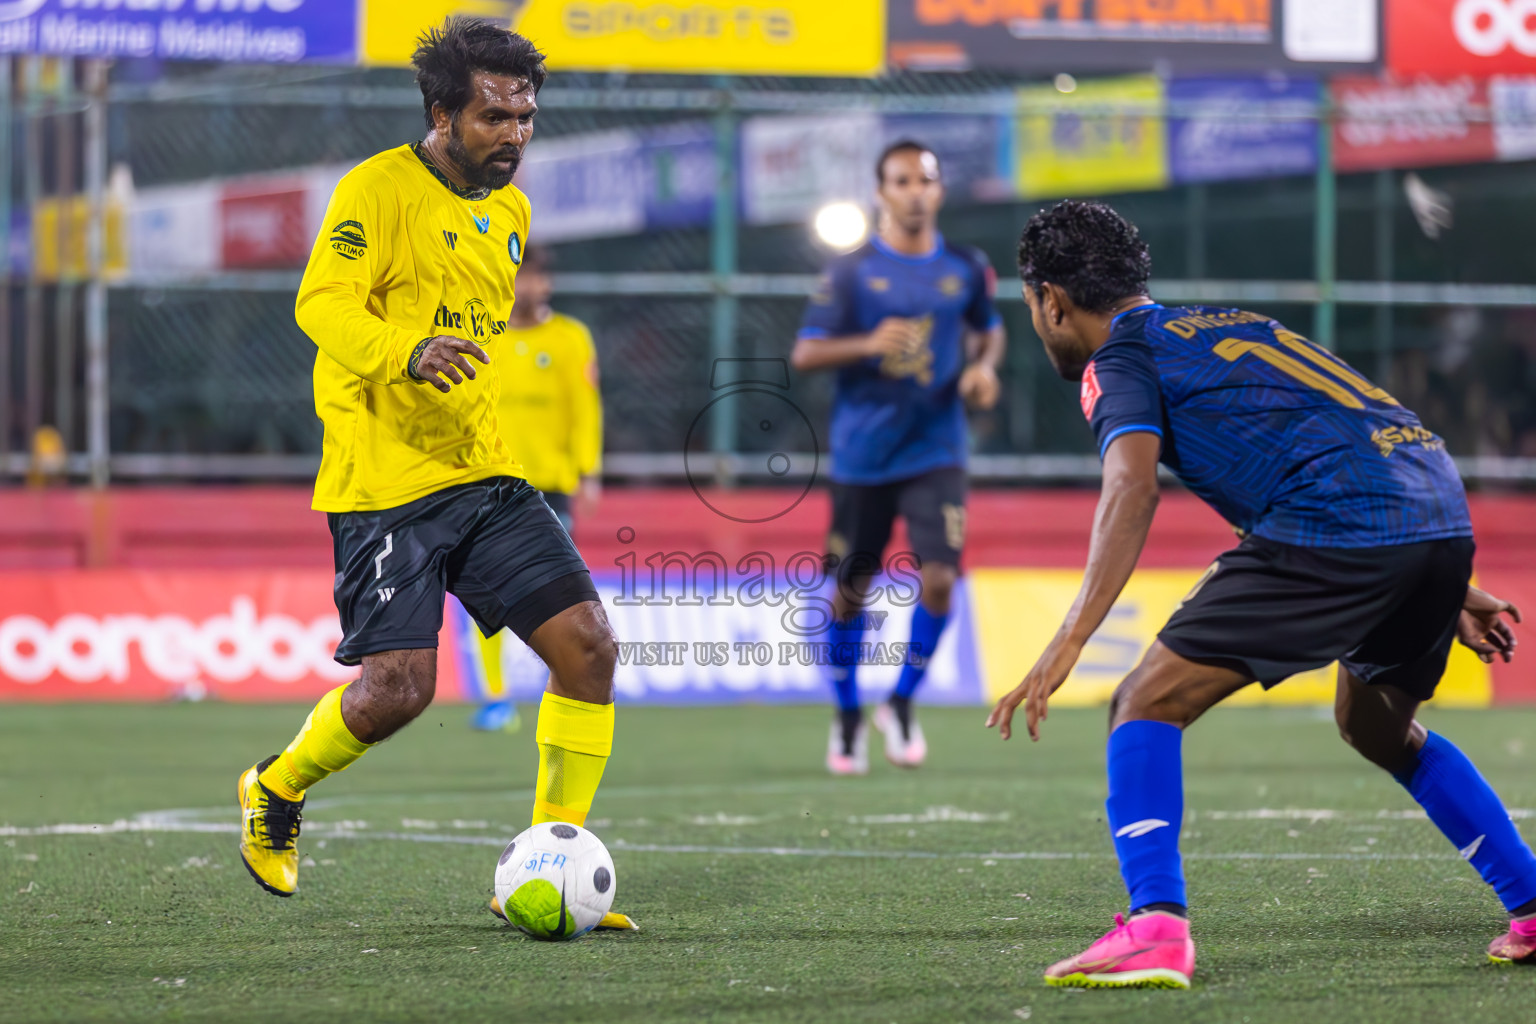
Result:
[[410, 364]]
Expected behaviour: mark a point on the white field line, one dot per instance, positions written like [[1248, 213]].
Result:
[[124, 826]]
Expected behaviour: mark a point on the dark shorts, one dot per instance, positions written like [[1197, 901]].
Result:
[[933, 505], [1271, 610], [560, 505], [494, 545]]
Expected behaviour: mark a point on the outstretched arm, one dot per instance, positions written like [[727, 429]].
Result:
[[1482, 630], [1120, 525]]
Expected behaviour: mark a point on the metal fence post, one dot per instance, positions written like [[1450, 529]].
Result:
[[1386, 193], [722, 340], [98, 441], [1325, 226], [5, 256]]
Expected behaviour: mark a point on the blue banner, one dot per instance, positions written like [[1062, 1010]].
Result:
[[678, 164], [1226, 128], [974, 151], [253, 32]]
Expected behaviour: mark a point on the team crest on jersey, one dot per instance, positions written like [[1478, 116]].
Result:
[[1091, 392], [515, 248], [482, 221], [951, 285], [879, 284], [348, 240], [541, 360]]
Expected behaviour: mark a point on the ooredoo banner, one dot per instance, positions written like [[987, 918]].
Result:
[[152, 635], [1461, 37]]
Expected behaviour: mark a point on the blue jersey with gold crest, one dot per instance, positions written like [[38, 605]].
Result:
[[1281, 437], [901, 416]]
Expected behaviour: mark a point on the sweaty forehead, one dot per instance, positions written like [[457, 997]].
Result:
[[511, 91]]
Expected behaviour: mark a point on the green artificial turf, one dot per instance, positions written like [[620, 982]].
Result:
[[767, 891]]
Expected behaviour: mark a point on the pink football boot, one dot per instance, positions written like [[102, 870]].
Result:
[[1148, 951], [1516, 946]]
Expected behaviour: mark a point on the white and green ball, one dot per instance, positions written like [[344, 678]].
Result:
[[555, 881]]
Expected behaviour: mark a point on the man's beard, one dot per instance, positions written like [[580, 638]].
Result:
[[482, 175]]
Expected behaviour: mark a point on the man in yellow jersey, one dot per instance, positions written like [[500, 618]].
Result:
[[406, 295], [551, 416]]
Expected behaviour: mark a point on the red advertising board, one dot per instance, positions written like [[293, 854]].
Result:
[[1415, 123], [116, 634], [263, 227], [1461, 37]]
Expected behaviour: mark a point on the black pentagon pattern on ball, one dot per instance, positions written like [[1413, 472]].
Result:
[[601, 879], [506, 854], [563, 831]]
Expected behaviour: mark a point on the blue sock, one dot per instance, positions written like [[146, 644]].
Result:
[[1462, 805], [845, 637], [926, 628], [1146, 810]]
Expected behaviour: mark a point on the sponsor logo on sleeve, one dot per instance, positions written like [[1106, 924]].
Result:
[[1091, 392], [348, 240]]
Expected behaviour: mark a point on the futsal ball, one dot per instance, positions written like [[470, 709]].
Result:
[[555, 881]]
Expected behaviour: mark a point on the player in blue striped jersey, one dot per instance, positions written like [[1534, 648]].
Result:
[[1357, 548]]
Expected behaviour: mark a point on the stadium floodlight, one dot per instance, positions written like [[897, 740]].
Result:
[[841, 225], [1065, 83]]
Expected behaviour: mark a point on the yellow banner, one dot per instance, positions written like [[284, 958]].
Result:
[[1107, 135], [1017, 611], [59, 236], [772, 37]]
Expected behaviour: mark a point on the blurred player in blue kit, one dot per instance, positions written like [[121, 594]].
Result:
[[1356, 547], [908, 323]]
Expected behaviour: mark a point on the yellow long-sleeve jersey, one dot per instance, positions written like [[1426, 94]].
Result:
[[551, 413], [402, 256]]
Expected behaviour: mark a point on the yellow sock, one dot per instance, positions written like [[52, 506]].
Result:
[[575, 739], [323, 746]]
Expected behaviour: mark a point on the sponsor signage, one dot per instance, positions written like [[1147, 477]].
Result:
[[1461, 37], [778, 37], [1384, 124], [1048, 36], [1225, 128], [237, 31], [1514, 116], [1017, 612], [790, 166], [265, 227], [1106, 136]]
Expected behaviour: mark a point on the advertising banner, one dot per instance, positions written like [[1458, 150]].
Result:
[[975, 151], [1105, 136], [677, 165], [1513, 99], [1226, 128], [1049, 36], [142, 635], [772, 37], [1017, 611], [265, 226], [249, 32], [1421, 123], [790, 166], [1447, 38]]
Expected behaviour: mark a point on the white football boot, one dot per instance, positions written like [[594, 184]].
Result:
[[904, 748], [840, 762]]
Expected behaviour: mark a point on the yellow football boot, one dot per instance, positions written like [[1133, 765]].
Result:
[[610, 922], [268, 827]]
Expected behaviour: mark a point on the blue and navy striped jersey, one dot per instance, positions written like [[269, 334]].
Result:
[[1281, 437], [901, 416]]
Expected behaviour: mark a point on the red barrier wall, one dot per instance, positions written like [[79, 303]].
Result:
[[274, 528]]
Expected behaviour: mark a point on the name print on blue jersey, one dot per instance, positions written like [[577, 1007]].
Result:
[[1284, 439]]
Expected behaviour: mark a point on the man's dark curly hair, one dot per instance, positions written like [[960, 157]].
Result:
[[1088, 250], [447, 56]]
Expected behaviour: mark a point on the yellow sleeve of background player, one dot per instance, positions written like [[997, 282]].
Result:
[[349, 260], [586, 407]]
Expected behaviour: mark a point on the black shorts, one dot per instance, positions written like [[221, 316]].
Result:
[[1271, 610], [560, 505], [862, 516], [494, 545]]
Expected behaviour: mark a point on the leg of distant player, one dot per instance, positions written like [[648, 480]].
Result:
[[1147, 717], [847, 753], [905, 744], [478, 659], [1379, 722]]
